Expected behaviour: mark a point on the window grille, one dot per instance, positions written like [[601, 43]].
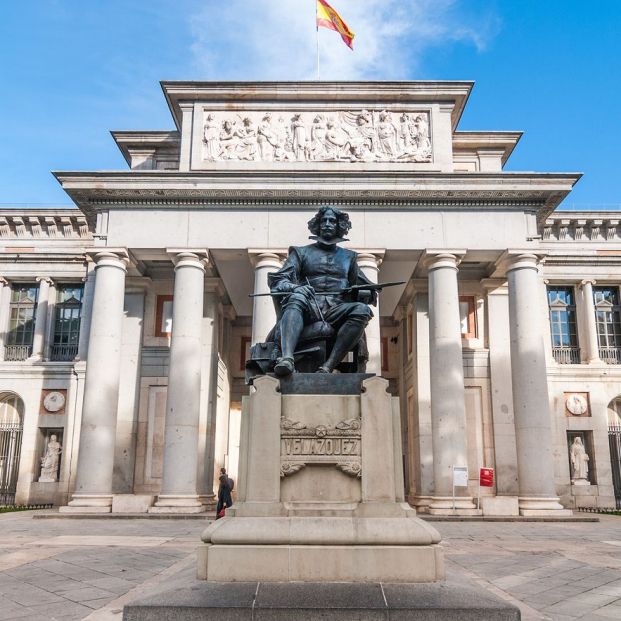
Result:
[[68, 312], [562, 309], [22, 313]]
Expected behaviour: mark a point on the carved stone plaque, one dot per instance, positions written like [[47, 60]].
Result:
[[335, 136], [338, 445]]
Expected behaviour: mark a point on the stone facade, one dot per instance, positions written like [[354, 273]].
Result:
[[164, 255]]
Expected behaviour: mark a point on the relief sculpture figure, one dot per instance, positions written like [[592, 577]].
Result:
[[211, 139], [354, 136]]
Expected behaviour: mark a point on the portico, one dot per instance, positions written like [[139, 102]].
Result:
[[199, 233]]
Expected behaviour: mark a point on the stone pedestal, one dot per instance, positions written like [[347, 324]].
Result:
[[320, 492]]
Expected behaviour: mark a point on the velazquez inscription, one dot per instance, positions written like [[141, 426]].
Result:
[[338, 445]]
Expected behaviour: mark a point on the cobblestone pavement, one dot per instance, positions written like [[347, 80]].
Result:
[[88, 569]]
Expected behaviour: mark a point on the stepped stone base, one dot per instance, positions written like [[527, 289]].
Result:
[[258, 601]]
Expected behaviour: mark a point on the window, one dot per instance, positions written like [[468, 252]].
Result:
[[467, 316], [21, 322], [67, 322], [608, 321], [562, 307], [163, 315]]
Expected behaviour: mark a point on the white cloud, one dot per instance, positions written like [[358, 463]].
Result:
[[276, 39]]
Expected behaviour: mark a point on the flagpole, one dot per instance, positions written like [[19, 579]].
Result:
[[317, 38]]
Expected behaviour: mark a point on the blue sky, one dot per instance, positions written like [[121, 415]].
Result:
[[74, 69]]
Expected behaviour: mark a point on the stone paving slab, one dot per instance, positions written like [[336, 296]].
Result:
[[79, 569]]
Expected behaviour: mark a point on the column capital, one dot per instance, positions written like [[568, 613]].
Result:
[[109, 257], [262, 257], [4, 282], [447, 258], [587, 281], [518, 259], [189, 257], [46, 279], [370, 257]]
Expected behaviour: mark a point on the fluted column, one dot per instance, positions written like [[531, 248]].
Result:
[[263, 312], [448, 411], [533, 435], [93, 487], [591, 346], [5, 303], [179, 492], [38, 340], [369, 263]]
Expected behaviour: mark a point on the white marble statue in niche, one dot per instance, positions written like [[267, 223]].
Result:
[[579, 463], [345, 136], [50, 461]]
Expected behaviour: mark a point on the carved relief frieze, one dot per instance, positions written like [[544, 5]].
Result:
[[338, 445], [339, 136]]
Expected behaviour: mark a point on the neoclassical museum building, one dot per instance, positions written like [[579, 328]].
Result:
[[126, 320]]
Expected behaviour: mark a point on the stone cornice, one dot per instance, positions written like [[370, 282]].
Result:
[[536, 192], [44, 224], [581, 227], [368, 93], [473, 140]]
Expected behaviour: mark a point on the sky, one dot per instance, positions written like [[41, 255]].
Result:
[[72, 70]]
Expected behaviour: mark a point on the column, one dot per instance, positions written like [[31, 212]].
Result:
[[591, 346], [49, 324], [5, 303], [369, 263], [38, 340], [86, 313], [93, 487], [448, 411], [263, 312], [531, 406], [179, 492]]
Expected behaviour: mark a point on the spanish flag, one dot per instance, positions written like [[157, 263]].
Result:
[[327, 17]]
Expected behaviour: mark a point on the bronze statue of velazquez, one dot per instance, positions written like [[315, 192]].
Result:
[[322, 303]]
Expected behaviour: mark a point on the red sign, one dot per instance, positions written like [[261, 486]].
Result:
[[486, 477]]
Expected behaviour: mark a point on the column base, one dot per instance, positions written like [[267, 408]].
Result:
[[446, 505], [420, 503], [177, 503], [542, 507], [88, 503]]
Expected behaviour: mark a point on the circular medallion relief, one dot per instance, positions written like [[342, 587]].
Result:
[[54, 401], [577, 404]]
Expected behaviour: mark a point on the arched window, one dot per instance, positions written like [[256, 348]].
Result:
[[11, 428]]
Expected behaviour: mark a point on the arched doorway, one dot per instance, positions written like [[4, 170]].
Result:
[[614, 440], [11, 429]]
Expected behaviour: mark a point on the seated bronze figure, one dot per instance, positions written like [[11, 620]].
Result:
[[322, 303]]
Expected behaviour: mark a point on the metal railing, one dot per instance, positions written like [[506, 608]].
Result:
[[63, 353], [13, 353], [611, 355], [566, 355], [10, 449]]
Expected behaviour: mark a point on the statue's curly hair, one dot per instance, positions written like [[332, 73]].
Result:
[[343, 223]]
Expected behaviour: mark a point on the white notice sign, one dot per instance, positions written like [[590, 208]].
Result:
[[460, 476]]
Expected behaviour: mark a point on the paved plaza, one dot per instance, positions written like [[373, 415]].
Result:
[[89, 568]]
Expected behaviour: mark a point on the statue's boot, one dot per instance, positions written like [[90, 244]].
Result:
[[346, 339], [284, 367]]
